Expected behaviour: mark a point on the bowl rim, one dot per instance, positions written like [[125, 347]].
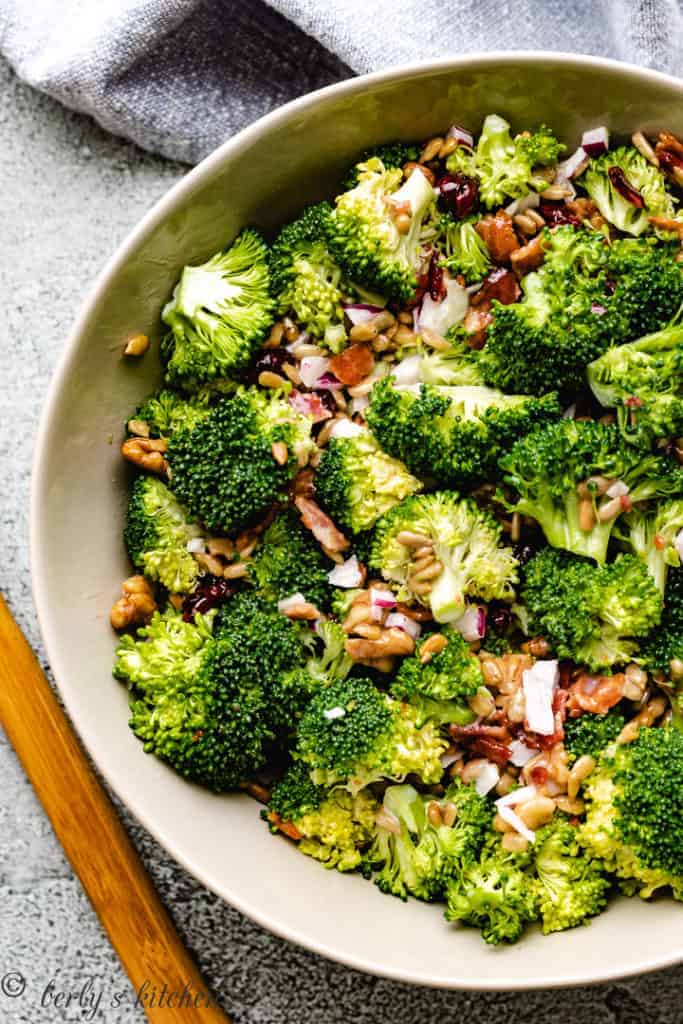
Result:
[[38, 553]]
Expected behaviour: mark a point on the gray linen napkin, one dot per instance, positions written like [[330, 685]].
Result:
[[180, 76]]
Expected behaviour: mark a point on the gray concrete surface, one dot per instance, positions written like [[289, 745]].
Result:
[[69, 194]]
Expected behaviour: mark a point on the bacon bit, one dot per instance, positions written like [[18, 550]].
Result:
[[667, 224], [497, 752], [501, 285], [498, 233], [287, 827], [659, 541], [539, 775], [596, 694], [633, 402], [352, 365], [476, 323], [625, 189], [309, 404], [528, 257], [626, 503], [320, 525]]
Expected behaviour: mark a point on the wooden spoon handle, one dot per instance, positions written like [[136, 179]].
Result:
[[100, 851]]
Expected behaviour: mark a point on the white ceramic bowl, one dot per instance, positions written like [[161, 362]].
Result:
[[263, 175]]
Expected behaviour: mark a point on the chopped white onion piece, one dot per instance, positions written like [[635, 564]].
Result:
[[346, 428], [539, 683], [520, 753], [573, 166], [407, 371], [312, 368], [440, 316], [488, 777], [529, 202], [570, 412], [400, 621], [347, 575], [517, 796], [381, 600], [388, 821], [461, 134], [471, 624], [595, 142], [617, 489], [196, 544], [287, 603], [507, 814], [359, 404], [678, 544], [332, 713], [360, 312], [448, 759]]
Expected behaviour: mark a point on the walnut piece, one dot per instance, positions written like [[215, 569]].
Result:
[[137, 605]]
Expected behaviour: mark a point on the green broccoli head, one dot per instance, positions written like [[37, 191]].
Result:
[[224, 469], [358, 482], [333, 827], [458, 365], [156, 534], [494, 893], [662, 651], [219, 314], [464, 250], [553, 470], [167, 648], [352, 734], [439, 686], [167, 411], [331, 662], [591, 734], [647, 283], [392, 154], [363, 231], [456, 435], [289, 561], [643, 381], [468, 559], [305, 278], [505, 166], [634, 814], [570, 885], [592, 614], [421, 843], [653, 535], [627, 189]]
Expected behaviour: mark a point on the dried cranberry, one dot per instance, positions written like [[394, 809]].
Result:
[[210, 592], [327, 400], [556, 213], [501, 285], [458, 194], [437, 280], [624, 187], [271, 361], [669, 160]]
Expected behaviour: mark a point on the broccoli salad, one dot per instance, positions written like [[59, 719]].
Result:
[[407, 526]]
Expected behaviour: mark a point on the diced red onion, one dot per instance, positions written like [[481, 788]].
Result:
[[328, 382], [287, 603], [529, 202], [520, 753], [517, 796], [595, 142], [388, 821], [380, 601], [400, 621], [573, 166], [347, 575], [312, 369], [598, 309], [488, 777], [472, 623], [461, 135], [617, 489], [309, 404], [507, 814], [407, 371], [360, 312], [346, 428]]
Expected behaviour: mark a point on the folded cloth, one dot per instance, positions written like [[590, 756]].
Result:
[[180, 76]]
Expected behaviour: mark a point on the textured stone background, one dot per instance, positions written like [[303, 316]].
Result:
[[69, 194]]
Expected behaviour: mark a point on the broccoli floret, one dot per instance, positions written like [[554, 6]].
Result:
[[166, 649], [552, 471], [456, 435], [545, 341], [465, 251], [333, 662], [224, 469], [466, 544], [662, 651], [652, 535], [156, 534], [591, 734], [167, 411], [591, 613], [624, 170], [333, 827], [219, 314], [643, 381], [352, 734], [647, 283], [458, 365], [505, 166], [571, 887], [363, 235], [494, 894], [392, 154], [305, 279], [634, 816], [358, 482], [439, 687], [412, 854], [289, 561]]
